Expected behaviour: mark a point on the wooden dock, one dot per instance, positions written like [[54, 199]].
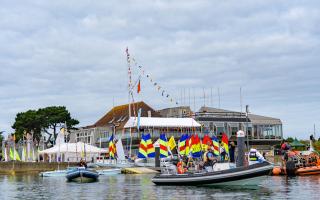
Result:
[[138, 170]]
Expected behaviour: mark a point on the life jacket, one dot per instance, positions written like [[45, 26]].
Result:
[[284, 146], [205, 158], [253, 156], [180, 168]]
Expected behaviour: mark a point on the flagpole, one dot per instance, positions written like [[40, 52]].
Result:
[[129, 92]]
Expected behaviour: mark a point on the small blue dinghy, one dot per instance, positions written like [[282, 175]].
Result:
[[82, 175]]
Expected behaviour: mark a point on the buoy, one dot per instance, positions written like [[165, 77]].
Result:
[[276, 171]]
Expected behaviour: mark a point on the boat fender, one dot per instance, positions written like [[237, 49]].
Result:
[[276, 171]]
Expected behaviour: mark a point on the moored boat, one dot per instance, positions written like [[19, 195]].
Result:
[[109, 171], [246, 175], [299, 163], [56, 173], [308, 171], [82, 174]]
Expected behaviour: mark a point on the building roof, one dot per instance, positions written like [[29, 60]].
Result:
[[119, 115], [180, 111], [258, 119], [255, 119], [162, 122]]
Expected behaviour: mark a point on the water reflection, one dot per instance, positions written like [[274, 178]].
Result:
[[140, 187]]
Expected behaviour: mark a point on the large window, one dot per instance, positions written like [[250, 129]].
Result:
[[267, 132]]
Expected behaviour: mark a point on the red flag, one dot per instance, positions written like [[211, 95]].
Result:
[[206, 139], [139, 87]]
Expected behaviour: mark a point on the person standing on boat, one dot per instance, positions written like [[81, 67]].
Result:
[[232, 148]]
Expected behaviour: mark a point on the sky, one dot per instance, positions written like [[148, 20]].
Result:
[[72, 53]]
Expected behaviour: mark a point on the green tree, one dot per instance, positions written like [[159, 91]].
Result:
[[29, 122], [290, 139], [54, 118], [48, 120], [1, 137]]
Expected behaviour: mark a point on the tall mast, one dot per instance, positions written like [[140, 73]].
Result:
[[129, 80], [241, 100], [219, 97], [129, 94]]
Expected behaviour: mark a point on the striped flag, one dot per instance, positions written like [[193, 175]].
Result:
[[143, 148], [112, 148], [196, 146], [224, 143], [188, 145], [150, 148], [215, 142], [163, 146], [205, 141], [182, 144]]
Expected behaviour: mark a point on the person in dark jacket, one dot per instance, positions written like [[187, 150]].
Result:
[[232, 148]]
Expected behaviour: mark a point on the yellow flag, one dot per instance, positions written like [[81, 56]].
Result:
[[17, 155], [11, 154], [172, 143]]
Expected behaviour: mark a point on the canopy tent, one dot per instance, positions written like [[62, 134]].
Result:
[[161, 122], [73, 151], [296, 143]]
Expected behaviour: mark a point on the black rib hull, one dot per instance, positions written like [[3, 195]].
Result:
[[240, 174], [82, 175]]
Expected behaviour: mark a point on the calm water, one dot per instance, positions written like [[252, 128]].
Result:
[[140, 187]]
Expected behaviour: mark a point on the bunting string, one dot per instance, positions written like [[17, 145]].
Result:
[[143, 73]]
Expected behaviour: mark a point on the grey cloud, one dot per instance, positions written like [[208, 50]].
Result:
[[73, 53]]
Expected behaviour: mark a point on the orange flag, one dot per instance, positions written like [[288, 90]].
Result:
[[139, 87]]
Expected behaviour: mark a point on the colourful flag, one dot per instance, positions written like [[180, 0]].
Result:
[[150, 148], [17, 155], [11, 154], [182, 144], [188, 145], [143, 148], [139, 87], [112, 148], [163, 146], [196, 146], [215, 142], [224, 143], [172, 143], [205, 141], [14, 155]]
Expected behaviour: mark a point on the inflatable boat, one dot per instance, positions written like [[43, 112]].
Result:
[[247, 175], [299, 163], [82, 174]]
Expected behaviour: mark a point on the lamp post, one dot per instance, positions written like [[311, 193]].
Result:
[[247, 112]]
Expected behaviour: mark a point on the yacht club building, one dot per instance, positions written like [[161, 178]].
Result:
[[261, 130]]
